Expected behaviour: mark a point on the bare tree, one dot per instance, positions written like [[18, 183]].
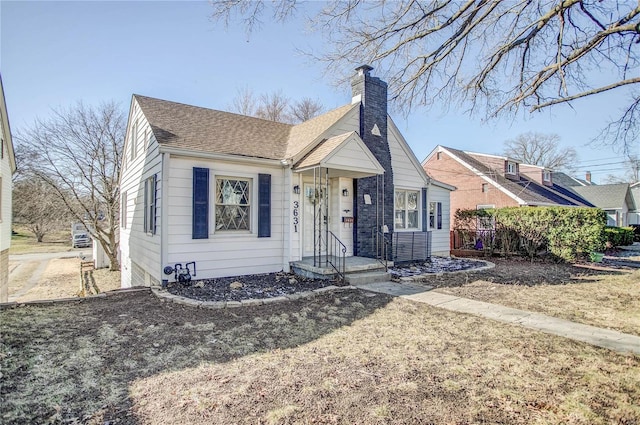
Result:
[[305, 109], [495, 56], [245, 102], [631, 171], [77, 153], [273, 107], [37, 207], [541, 149]]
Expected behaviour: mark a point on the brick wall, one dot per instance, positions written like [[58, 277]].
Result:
[[469, 192], [373, 112]]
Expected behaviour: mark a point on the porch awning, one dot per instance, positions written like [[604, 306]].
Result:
[[345, 155]]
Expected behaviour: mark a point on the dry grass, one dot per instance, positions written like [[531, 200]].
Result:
[[338, 359], [24, 242], [60, 279], [609, 300]]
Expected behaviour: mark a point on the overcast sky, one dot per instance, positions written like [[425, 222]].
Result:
[[54, 54]]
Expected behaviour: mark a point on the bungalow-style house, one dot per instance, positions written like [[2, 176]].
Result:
[[7, 168], [634, 215], [619, 200], [240, 195], [491, 181], [615, 199]]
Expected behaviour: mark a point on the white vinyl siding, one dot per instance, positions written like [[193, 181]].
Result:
[[226, 253], [440, 237], [138, 248]]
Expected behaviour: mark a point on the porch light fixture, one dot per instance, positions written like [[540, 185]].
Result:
[[345, 192], [296, 189]]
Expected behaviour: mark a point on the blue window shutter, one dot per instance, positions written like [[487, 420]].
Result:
[[424, 209], [264, 205], [439, 215], [200, 203], [146, 204]]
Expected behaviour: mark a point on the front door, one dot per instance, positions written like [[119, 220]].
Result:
[[314, 201]]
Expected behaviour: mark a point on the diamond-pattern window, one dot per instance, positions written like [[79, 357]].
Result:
[[233, 205]]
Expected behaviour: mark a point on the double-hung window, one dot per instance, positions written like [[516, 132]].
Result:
[[435, 215], [233, 203], [406, 209]]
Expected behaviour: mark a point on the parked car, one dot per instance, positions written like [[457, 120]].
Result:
[[81, 240]]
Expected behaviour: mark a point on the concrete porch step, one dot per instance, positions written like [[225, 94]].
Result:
[[363, 278]]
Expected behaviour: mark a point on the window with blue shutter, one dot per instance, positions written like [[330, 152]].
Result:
[[264, 205], [200, 203]]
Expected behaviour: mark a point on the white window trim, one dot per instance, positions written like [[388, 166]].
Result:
[[511, 164], [406, 210], [546, 175], [253, 201]]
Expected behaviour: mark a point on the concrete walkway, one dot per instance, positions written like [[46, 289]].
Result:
[[613, 340]]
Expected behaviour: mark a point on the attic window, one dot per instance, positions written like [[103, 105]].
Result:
[[546, 175], [485, 187], [512, 168]]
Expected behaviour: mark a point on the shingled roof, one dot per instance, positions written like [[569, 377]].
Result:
[[523, 188], [210, 131], [607, 196]]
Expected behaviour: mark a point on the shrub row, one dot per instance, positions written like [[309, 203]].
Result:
[[618, 236], [567, 233]]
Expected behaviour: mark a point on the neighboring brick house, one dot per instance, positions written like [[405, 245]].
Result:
[[7, 168], [491, 181], [241, 195]]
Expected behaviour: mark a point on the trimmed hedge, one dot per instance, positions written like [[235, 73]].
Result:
[[567, 233], [618, 236]]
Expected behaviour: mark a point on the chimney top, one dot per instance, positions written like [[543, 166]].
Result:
[[588, 176], [364, 69]]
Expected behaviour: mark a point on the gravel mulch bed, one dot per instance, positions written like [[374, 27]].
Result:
[[246, 287], [271, 285], [436, 265]]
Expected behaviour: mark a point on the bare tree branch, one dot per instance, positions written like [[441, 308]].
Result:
[[497, 57], [541, 149], [77, 154]]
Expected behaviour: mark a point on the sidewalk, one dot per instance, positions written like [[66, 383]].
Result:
[[613, 340]]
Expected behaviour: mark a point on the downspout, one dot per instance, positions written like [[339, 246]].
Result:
[[164, 217]]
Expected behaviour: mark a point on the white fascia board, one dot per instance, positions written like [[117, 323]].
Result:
[[487, 179], [443, 185], [353, 137], [407, 150], [296, 158], [435, 150], [221, 156]]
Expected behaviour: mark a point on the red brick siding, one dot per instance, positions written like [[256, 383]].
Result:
[[469, 186]]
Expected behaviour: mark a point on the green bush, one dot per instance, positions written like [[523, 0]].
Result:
[[618, 236], [567, 233]]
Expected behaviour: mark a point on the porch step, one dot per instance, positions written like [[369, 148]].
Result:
[[367, 277]]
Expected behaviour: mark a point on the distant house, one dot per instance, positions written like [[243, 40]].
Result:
[[634, 215], [489, 181], [241, 195], [615, 199], [7, 168]]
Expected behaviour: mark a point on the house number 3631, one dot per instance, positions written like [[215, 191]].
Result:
[[296, 220]]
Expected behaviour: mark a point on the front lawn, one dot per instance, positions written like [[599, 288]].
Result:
[[605, 299], [342, 358]]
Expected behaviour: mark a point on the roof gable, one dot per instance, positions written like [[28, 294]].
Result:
[[607, 196], [302, 136], [522, 189], [344, 152]]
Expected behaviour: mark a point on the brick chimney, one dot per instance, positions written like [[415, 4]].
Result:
[[371, 92], [588, 177]]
